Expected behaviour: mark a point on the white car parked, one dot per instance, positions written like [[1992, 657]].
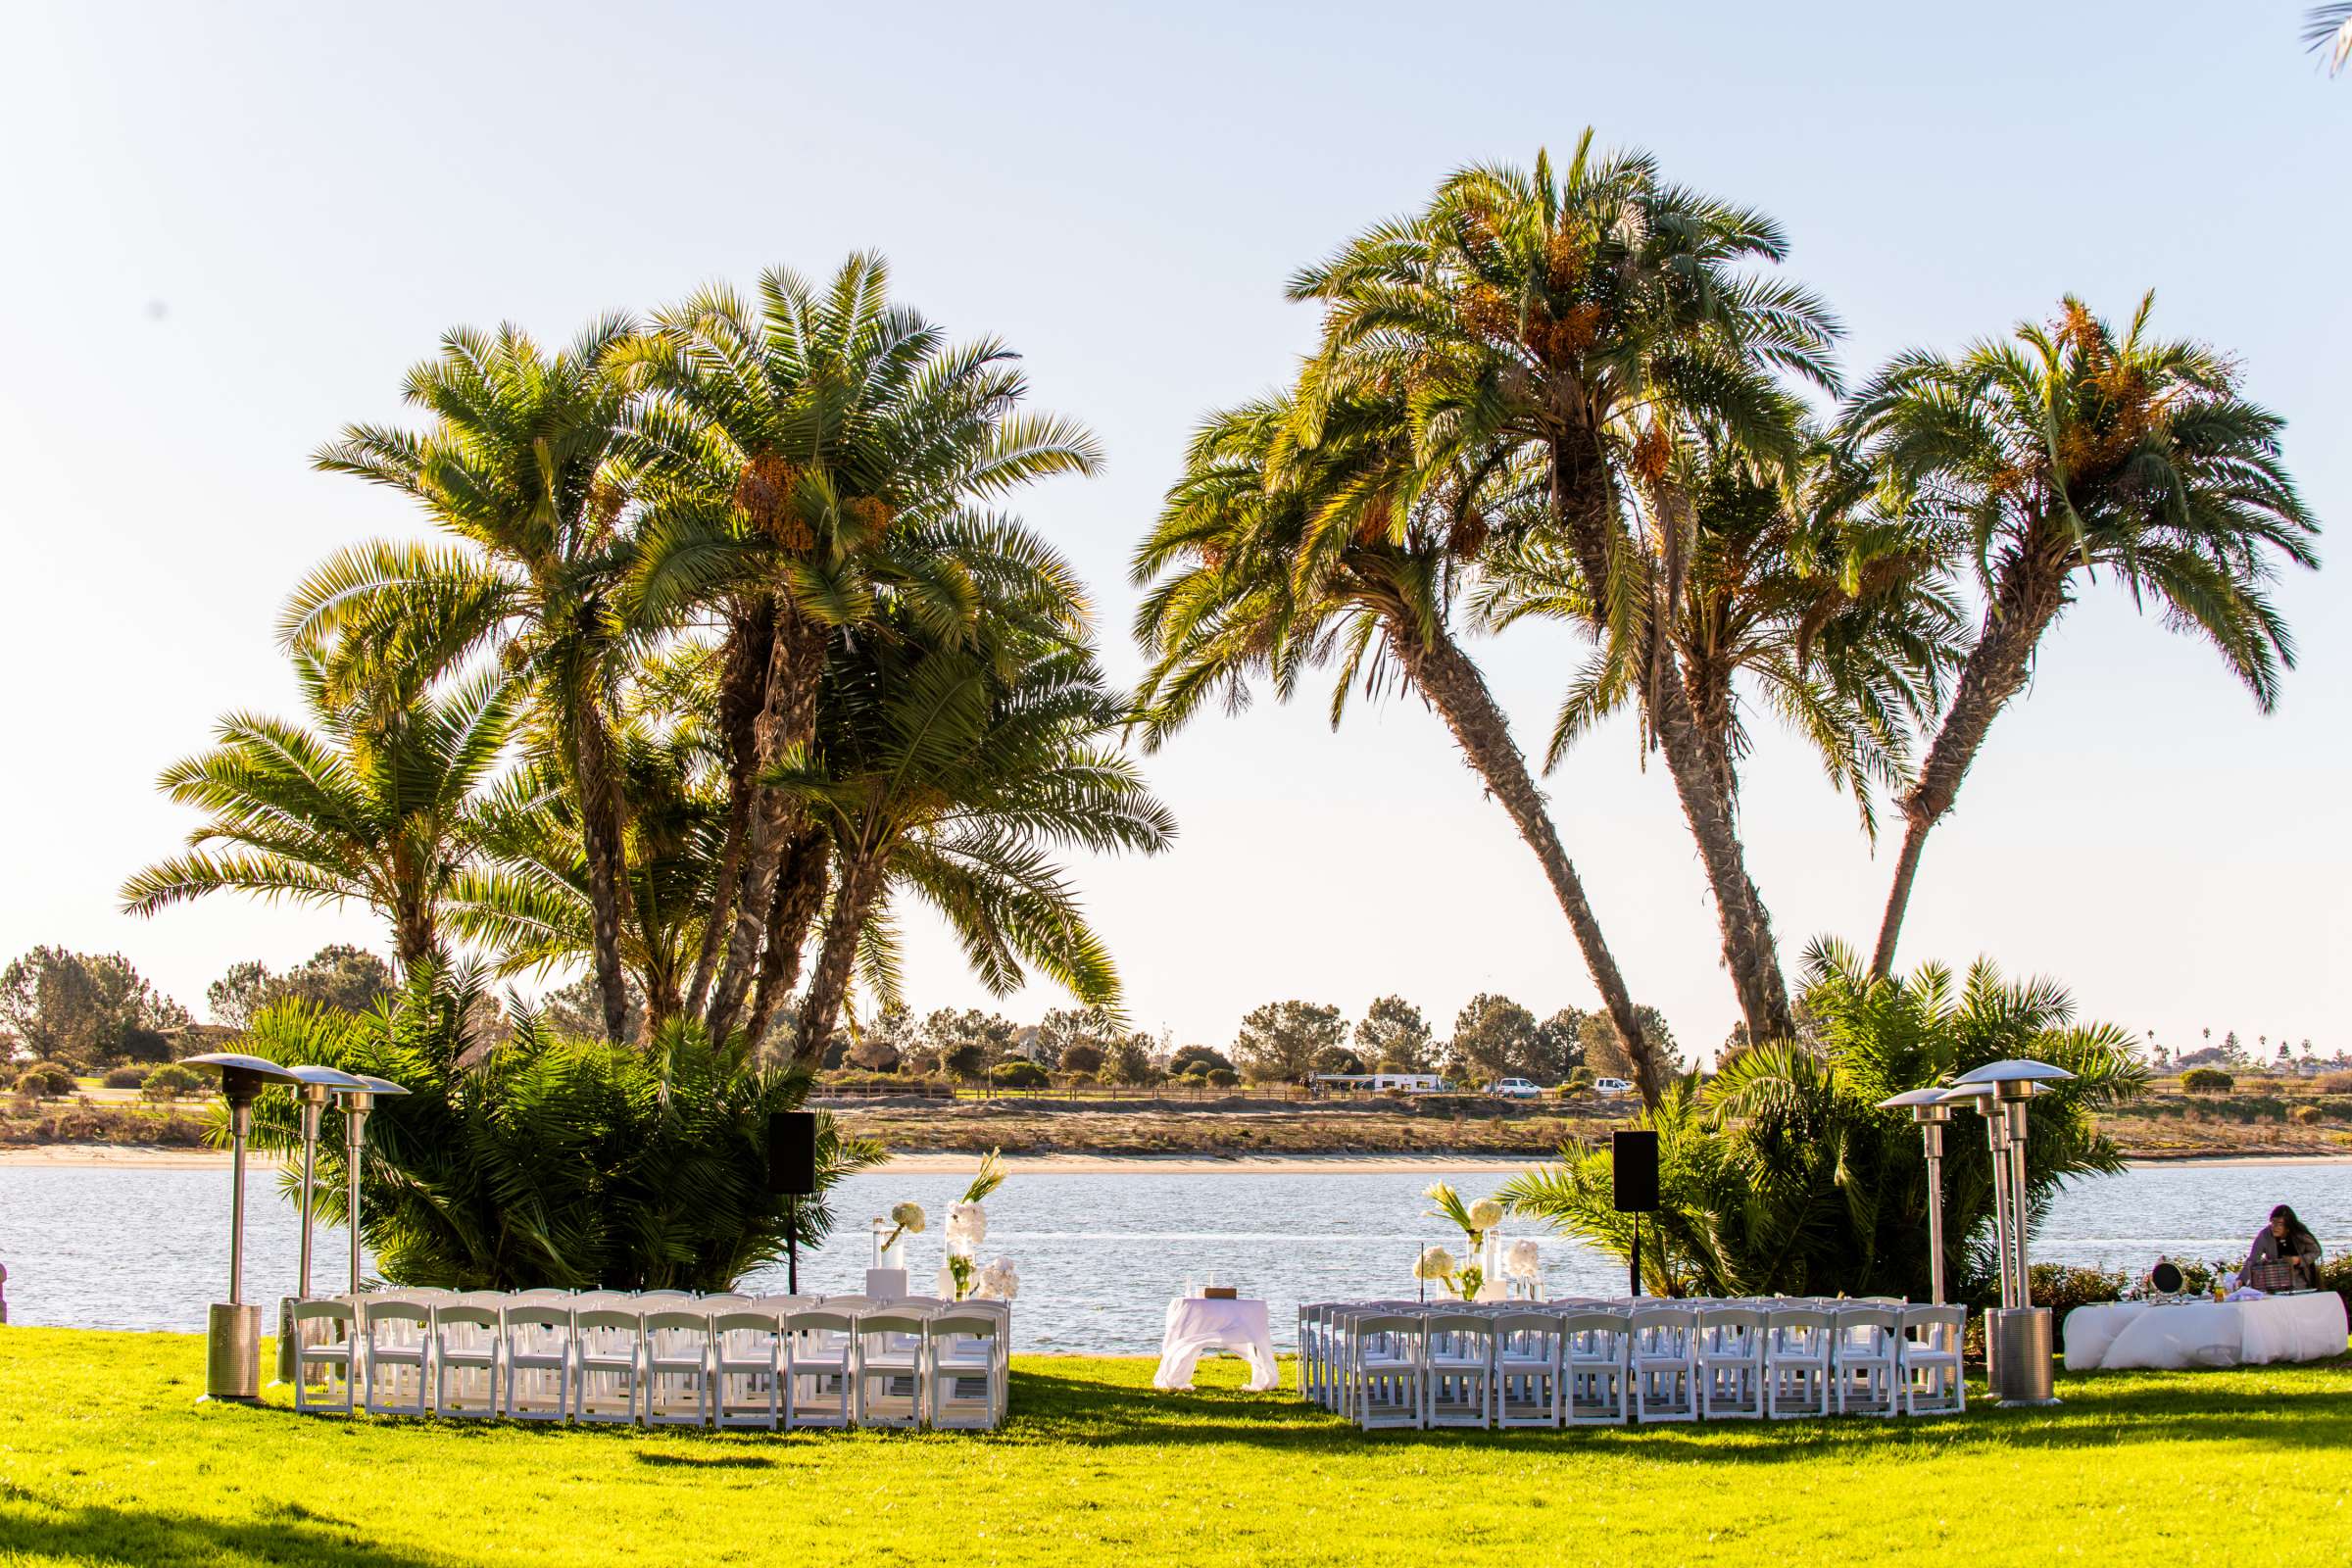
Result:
[[1611, 1086], [1515, 1089]]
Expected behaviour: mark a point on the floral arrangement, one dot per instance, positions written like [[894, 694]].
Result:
[[907, 1219], [967, 1228], [1464, 1280], [1523, 1262]]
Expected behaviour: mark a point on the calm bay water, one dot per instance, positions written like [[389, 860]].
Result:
[[1099, 1255]]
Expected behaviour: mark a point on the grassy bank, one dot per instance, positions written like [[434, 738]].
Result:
[[105, 1459]]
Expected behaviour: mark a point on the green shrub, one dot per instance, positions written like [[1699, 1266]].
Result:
[[2062, 1289], [1222, 1077], [2207, 1081], [1018, 1074], [171, 1080], [128, 1076], [2305, 1116], [1783, 1176], [46, 1080], [963, 1060], [1082, 1058], [550, 1161]]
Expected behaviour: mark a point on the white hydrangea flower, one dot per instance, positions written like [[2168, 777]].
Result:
[[911, 1218], [1436, 1263], [967, 1226], [1522, 1261], [1485, 1214]]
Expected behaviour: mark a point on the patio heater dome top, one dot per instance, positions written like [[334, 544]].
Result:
[[325, 1077], [2014, 1070], [239, 1062], [368, 1084], [1912, 1097]]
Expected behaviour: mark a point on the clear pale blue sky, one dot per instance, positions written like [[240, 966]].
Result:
[[229, 228]]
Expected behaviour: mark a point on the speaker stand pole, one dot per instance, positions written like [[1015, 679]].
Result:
[[791, 1246], [1637, 1259]]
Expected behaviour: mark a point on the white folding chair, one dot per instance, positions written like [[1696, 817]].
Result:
[[396, 1336], [962, 1348], [1664, 1363], [465, 1357], [747, 1376], [1383, 1370], [537, 1336], [1457, 1361], [333, 1352], [1596, 1385], [1928, 1355], [1526, 1369], [888, 1368], [608, 1364], [677, 1368], [819, 1358], [1730, 1364], [1797, 1343], [1865, 1359]]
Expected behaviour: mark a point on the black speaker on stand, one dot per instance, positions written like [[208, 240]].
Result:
[[1634, 1156], [792, 1175]]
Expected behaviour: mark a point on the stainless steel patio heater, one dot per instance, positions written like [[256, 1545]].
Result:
[[232, 1353], [1929, 1112], [357, 1102], [312, 1087], [2019, 1339]]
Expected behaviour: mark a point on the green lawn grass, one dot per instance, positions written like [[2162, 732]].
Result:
[[105, 1457]]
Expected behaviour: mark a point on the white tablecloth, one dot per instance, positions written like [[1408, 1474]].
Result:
[[1196, 1327], [2172, 1335]]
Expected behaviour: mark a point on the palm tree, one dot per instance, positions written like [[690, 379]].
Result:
[[518, 463], [378, 803], [1584, 319], [953, 773], [1275, 557], [1840, 616], [531, 905], [798, 447], [2060, 453], [1783, 1176], [2328, 31]]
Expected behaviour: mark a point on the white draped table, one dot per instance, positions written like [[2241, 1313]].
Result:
[[2172, 1335], [1199, 1327]]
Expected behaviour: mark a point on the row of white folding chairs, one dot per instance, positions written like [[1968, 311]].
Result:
[[1399, 1364], [731, 1361], [1322, 1357]]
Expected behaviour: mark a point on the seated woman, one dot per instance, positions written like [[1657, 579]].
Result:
[[2285, 1239]]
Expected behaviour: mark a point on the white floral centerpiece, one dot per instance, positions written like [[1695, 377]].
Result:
[[905, 1219], [967, 1227], [1524, 1262], [1476, 1220]]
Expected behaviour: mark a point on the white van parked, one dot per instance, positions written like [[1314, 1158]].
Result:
[[1611, 1086]]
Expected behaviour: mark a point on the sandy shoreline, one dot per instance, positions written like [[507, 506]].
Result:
[[131, 1157]]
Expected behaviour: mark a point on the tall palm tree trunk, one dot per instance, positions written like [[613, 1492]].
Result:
[[1461, 697], [742, 683], [1585, 508], [602, 832], [800, 894], [829, 982], [2026, 599], [787, 718]]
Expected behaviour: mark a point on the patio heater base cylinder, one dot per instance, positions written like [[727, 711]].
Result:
[[233, 1354], [2018, 1345], [286, 1347]]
